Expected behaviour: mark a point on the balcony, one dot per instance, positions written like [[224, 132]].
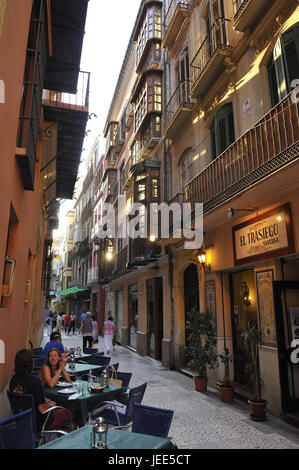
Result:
[[85, 247], [269, 146], [119, 141], [121, 261], [177, 110], [207, 65], [150, 136], [249, 13], [70, 111], [30, 108], [110, 136], [108, 185], [128, 117], [125, 177], [175, 18], [142, 252], [151, 60]]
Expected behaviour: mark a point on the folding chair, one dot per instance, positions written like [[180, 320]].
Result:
[[151, 420], [114, 415], [21, 401], [16, 432], [38, 361]]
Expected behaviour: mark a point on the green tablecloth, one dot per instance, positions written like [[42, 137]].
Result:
[[81, 369], [116, 439], [83, 357], [82, 405]]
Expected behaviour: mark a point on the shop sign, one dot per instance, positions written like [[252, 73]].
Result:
[[266, 236]]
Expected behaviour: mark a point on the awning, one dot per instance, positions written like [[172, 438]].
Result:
[[71, 290], [68, 22]]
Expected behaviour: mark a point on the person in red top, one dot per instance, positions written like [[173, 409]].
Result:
[[67, 321]]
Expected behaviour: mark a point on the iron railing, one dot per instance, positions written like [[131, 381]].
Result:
[[173, 5], [180, 96], [30, 108], [265, 148], [215, 40], [77, 101]]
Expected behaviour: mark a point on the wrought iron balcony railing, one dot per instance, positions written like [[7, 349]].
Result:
[[76, 102], [263, 150], [177, 108], [205, 65], [174, 18]]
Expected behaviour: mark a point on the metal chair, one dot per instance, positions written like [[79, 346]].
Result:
[[114, 415], [151, 420], [100, 360], [37, 351], [16, 432], [21, 401]]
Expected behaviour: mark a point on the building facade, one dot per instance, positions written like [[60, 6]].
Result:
[[205, 111], [39, 112]]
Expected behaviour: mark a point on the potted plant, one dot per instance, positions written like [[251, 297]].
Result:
[[225, 387], [201, 348], [251, 339]]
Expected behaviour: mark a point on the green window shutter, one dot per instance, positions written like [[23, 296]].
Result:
[[224, 133]]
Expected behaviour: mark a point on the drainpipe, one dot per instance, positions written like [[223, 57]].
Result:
[[170, 277]]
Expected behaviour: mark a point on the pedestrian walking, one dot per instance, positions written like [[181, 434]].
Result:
[[95, 331], [54, 321], [73, 323], [108, 333], [49, 322], [58, 323], [67, 323], [87, 331]]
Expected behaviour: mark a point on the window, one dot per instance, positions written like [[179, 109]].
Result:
[[183, 76], [186, 170], [284, 65], [223, 133]]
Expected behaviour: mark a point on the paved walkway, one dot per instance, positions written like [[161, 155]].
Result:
[[201, 420]]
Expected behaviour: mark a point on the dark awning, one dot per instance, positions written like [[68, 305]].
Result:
[[68, 22]]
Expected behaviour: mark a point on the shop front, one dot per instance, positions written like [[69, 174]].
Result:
[[257, 279]]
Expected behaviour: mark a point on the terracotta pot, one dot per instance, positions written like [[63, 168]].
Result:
[[258, 409], [226, 394], [201, 384]]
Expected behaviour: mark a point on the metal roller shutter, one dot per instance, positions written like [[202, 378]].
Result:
[[119, 314]]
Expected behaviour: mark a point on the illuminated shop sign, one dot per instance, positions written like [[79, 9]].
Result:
[[265, 236]]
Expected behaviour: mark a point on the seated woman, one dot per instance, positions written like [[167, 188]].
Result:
[[24, 382], [54, 369]]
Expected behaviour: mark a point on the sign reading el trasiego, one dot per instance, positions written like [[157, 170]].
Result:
[[265, 236]]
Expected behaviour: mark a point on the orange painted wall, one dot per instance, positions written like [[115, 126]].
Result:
[[14, 320]]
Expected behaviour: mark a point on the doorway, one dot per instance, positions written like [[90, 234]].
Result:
[[133, 315], [286, 302], [191, 298], [244, 310], [155, 317]]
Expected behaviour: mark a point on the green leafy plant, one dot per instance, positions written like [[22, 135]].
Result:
[[202, 342], [225, 358], [251, 339]]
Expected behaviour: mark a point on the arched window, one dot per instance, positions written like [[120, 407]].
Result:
[[284, 65], [186, 170]]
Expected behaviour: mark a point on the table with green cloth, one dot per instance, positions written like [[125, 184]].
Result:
[[81, 369], [116, 439], [82, 405], [83, 357]]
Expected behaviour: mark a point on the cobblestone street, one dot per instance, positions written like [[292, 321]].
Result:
[[200, 420]]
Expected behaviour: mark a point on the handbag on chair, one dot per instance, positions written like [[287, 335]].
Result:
[[113, 379]]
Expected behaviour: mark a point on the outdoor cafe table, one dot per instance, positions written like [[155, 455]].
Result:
[[83, 357], [116, 439], [82, 405], [81, 369]]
